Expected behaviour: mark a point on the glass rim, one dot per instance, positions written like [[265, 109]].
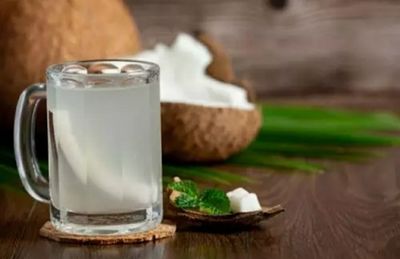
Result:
[[149, 68]]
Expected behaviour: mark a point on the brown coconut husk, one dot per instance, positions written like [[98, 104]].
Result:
[[37, 33], [195, 133], [221, 65]]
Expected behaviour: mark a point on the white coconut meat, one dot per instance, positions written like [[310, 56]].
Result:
[[183, 77], [243, 201], [237, 193], [84, 160]]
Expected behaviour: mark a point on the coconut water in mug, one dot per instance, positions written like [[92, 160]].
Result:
[[104, 146]]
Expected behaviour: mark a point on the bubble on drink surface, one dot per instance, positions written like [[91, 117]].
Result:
[[134, 81], [132, 68], [100, 82], [68, 82], [103, 68], [137, 74], [75, 69]]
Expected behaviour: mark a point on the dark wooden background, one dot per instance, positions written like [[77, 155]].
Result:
[[291, 46]]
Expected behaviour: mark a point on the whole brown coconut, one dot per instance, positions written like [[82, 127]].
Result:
[[37, 33]]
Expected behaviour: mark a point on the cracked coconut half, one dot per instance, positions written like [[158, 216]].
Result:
[[203, 119]]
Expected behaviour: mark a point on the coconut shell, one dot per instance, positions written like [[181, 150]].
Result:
[[248, 87], [194, 133], [220, 67], [229, 222], [203, 134], [37, 33]]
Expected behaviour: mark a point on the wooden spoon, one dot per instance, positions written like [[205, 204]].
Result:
[[231, 221], [228, 221]]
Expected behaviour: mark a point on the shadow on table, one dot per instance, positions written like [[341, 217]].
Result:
[[152, 250]]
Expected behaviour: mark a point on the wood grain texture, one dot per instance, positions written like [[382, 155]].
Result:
[[350, 211], [325, 46]]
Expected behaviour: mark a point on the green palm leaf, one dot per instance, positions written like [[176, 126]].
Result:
[[289, 135]]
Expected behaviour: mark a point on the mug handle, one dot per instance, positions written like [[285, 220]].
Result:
[[24, 142]]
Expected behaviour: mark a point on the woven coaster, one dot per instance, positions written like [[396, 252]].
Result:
[[162, 231]]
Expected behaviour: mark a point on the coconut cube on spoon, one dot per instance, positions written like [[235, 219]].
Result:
[[243, 201], [237, 193]]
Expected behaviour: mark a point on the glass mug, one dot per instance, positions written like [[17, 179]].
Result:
[[104, 146]]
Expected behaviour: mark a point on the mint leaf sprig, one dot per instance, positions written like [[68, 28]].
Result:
[[186, 195], [214, 202]]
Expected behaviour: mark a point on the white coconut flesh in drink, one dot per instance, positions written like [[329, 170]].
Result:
[[94, 174], [203, 119]]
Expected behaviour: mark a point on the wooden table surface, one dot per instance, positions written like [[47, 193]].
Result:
[[350, 211]]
